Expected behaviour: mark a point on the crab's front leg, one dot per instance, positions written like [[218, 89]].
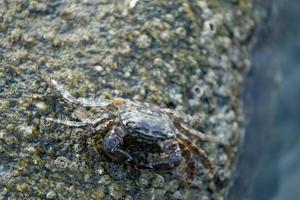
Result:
[[66, 122], [92, 121], [172, 150], [111, 146]]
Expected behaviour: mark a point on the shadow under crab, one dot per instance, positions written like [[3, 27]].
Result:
[[147, 124]]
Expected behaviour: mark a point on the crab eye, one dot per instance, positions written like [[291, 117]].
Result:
[[129, 124]]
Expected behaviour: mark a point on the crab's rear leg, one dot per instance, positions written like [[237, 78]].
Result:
[[203, 137], [111, 146], [198, 151], [190, 164], [85, 102], [172, 150], [182, 126]]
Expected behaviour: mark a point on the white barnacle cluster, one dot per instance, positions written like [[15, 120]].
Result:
[[133, 3]]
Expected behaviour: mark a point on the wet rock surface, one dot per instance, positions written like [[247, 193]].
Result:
[[189, 56], [272, 110]]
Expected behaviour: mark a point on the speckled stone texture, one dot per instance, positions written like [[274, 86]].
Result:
[[186, 55]]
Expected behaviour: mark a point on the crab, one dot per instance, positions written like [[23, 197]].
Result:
[[146, 123]]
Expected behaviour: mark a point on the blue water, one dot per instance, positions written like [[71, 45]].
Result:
[[269, 166]]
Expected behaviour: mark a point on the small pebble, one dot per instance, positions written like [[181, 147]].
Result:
[[143, 41], [51, 195]]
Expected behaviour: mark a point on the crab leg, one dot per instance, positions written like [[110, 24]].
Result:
[[191, 165], [67, 122], [92, 121], [186, 142], [85, 102], [203, 137], [171, 148], [181, 125]]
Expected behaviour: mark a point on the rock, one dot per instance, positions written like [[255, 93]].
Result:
[[188, 56]]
